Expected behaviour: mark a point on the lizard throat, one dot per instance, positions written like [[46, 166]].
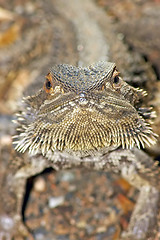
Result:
[[82, 132]]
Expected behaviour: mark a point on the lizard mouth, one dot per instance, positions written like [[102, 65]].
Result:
[[82, 131]]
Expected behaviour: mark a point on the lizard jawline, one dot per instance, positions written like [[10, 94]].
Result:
[[84, 133]]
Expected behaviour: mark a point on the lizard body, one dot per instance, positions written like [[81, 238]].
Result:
[[49, 118], [83, 111], [89, 117]]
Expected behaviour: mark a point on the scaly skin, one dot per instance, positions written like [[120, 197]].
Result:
[[90, 117], [65, 37], [82, 111]]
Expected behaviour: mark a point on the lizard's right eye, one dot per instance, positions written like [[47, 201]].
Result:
[[48, 84]]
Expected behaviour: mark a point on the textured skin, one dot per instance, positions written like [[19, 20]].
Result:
[[66, 38], [90, 117], [83, 111]]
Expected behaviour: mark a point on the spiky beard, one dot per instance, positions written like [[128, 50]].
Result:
[[82, 131]]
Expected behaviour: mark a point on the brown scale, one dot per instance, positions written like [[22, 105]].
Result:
[[84, 110]]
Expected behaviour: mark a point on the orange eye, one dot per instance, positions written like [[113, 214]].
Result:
[[48, 83], [116, 82]]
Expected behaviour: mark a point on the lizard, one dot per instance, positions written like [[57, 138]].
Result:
[[90, 117], [98, 159]]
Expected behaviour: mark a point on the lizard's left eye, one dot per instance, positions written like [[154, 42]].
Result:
[[116, 80]]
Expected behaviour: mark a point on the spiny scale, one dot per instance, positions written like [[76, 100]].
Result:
[[48, 121], [82, 79]]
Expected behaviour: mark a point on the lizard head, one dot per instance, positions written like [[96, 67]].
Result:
[[84, 111]]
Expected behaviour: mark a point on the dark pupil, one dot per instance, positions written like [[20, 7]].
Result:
[[48, 84], [116, 79]]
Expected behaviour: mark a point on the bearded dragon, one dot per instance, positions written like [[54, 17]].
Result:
[[90, 117], [83, 117]]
